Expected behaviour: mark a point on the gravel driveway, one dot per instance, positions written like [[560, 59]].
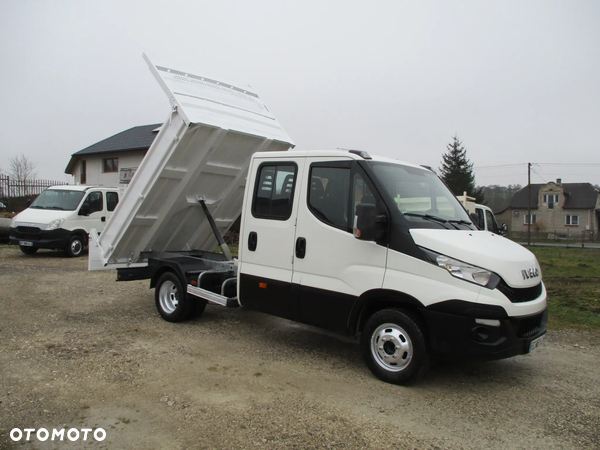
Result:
[[80, 350]]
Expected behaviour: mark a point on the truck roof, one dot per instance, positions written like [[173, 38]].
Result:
[[337, 154], [202, 152]]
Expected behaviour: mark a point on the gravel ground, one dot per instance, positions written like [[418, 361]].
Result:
[[80, 350]]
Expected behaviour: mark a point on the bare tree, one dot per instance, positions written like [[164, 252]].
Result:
[[22, 171]]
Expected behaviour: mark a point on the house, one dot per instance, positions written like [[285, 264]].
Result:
[[558, 211], [113, 161]]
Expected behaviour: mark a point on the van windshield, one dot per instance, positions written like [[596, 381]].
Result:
[[419, 194], [58, 199]]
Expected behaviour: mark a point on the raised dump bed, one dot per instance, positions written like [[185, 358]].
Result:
[[202, 152]]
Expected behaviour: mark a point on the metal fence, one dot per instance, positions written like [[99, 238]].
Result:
[[12, 188]]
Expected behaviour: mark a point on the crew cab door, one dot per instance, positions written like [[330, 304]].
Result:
[[331, 267], [266, 247], [95, 210]]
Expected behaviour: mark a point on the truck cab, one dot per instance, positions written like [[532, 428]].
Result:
[[379, 248]]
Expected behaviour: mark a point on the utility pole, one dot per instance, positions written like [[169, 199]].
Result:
[[528, 204]]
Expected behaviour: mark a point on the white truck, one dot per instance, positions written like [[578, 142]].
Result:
[[61, 217], [481, 215], [332, 239]]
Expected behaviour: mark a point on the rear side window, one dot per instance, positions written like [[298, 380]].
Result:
[[112, 198], [274, 191]]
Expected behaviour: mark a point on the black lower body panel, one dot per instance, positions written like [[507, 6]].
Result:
[[459, 336]]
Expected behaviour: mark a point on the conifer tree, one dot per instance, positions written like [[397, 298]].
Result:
[[457, 171]]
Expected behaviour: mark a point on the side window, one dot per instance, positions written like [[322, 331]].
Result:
[[112, 198], [94, 202], [274, 192], [481, 221], [491, 221], [328, 195]]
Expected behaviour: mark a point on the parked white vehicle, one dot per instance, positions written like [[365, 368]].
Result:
[[61, 217], [482, 215], [342, 240]]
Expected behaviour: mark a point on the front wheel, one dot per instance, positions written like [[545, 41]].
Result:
[[28, 250], [394, 347], [75, 247]]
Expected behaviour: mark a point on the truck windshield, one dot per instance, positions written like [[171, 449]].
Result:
[[419, 194], [58, 199]]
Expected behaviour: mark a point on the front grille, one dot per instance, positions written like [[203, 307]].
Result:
[[24, 232], [531, 326], [520, 295]]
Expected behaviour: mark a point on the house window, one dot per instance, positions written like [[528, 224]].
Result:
[[83, 174], [528, 220], [572, 220], [110, 165], [550, 199]]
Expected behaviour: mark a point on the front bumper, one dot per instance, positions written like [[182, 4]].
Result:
[[454, 333], [40, 238]]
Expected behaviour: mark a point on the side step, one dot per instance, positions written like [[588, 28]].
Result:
[[211, 297]]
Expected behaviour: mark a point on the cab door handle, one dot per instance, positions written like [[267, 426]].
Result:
[[252, 241], [300, 247]]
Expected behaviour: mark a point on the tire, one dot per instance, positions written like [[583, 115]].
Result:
[[28, 250], [75, 247], [171, 300], [198, 308], [394, 347]]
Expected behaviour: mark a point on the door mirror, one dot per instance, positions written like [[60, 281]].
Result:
[[368, 226], [503, 230], [364, 222], [85, 210]]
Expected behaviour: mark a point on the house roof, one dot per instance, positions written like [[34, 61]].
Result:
[[577, 196], [136, 138]]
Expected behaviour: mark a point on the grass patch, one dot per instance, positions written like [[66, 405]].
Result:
[[572, 279]]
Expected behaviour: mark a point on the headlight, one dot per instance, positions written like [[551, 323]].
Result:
[[54, 224], [463, 270]]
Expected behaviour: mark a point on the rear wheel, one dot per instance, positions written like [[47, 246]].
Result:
[[28, 250], [393, 346], [171, 300]]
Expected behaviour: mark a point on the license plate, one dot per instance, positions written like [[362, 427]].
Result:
[[26, 244], [537, 343]]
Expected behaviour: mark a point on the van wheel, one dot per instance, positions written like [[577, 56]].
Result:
[[171, 300], [393, 347], [28, 250], [75, 248]]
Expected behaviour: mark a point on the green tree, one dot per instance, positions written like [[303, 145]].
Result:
[[457, 171]]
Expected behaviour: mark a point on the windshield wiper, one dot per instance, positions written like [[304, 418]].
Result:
[[428, 217], [56, 207], [460, 222]]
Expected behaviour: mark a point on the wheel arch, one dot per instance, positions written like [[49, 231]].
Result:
[[377, 299], [164, 268], [82, 234]]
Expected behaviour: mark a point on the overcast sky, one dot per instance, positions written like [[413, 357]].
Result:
[[517, 81]]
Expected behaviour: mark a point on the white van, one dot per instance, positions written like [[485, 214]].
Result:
[[62, 217], [481, 215]]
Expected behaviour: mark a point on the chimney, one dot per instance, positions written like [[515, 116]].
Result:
[[559, 181]]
